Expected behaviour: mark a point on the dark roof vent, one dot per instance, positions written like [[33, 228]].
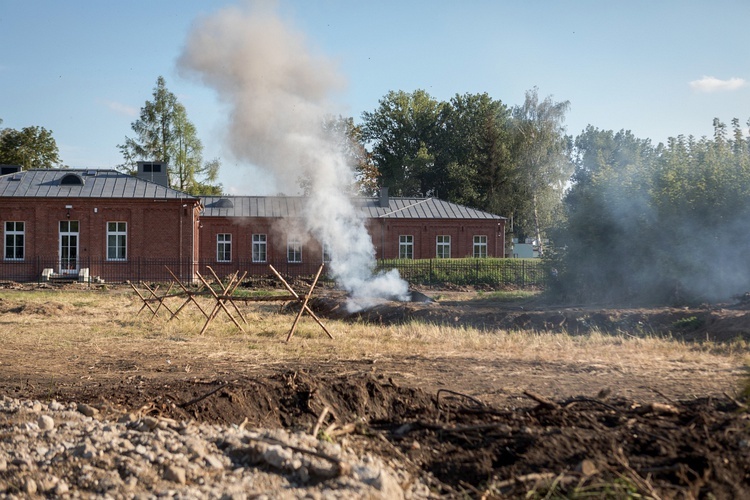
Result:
[[71, 180], [9, 169], [223, 203]]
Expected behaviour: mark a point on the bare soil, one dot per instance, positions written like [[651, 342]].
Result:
[[483, 426]]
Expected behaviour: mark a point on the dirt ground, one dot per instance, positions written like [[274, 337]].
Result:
[[479, 427]]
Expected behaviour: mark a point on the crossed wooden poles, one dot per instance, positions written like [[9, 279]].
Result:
[[153, 301]]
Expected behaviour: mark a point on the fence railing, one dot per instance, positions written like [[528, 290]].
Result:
[[490, 271]]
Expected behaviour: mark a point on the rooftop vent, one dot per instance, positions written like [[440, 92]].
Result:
[[71, 180], [9, 169], [154, 171], [223, 203]]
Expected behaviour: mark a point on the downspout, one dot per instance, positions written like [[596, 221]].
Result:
[[382, 239]]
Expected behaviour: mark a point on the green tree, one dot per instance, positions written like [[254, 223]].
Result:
[[541, 150], [401, 134], [164, 133], [473, 161], [30, 147]]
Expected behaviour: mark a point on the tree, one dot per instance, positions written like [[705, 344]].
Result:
[[473, 162], [30, 147], [164, 133], [402, 134], [541, 150]]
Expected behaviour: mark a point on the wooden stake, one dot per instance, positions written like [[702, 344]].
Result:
[[219, 304], [305, 307]]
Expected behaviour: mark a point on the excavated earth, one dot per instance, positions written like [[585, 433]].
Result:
[[454, 425]]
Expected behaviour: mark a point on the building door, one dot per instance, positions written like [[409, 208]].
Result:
[[69, 247]]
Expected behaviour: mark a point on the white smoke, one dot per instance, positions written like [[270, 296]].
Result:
[[278, 93]]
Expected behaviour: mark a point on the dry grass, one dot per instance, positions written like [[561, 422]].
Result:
[[97, 327]]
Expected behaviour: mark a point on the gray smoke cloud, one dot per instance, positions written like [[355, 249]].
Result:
[[279, 92]]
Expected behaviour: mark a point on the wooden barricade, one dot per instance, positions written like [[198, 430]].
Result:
[[223, 299]]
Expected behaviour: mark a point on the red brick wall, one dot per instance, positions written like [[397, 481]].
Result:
[[155, 229], [172, 230], [385, 236]]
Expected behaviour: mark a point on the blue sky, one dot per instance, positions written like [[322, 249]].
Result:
[[662, 68]]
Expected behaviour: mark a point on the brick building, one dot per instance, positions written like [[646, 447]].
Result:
[[102, 223], [252, 231], [96, 222]]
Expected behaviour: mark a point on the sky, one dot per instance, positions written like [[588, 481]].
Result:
[[659, 68]]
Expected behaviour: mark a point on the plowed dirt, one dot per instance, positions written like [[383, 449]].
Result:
[[474, 427]]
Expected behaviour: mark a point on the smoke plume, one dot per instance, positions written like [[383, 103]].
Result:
[[279, 92]]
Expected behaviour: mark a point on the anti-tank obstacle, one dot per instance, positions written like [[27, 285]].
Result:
[[222, 292]]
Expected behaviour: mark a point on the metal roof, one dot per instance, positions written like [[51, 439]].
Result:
[[292, 206], [82, 183]]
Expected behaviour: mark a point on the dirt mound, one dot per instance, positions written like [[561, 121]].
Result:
[[709, 322], [669, 448]]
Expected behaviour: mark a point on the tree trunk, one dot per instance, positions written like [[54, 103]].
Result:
[[536, 225]]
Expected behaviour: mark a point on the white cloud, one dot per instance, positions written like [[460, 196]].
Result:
[[121, 108], [713, 84]]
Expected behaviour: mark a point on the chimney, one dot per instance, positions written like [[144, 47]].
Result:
[[154, 171], [383, 198]]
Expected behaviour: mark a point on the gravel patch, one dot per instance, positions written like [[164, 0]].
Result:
[[70, 450]]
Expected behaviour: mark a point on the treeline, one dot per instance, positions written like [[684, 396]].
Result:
[[668, 223], [628, 220]]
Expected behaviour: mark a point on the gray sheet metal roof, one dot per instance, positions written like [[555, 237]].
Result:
[[292, 206], [46, 183]]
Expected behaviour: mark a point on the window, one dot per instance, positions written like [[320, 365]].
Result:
[[293, 250], [443, 247], [224, 247], [117, 240], [327, 253], [406, 246], [480, 246], [14, 240], [71, 180], [259, 247], [152, 167]]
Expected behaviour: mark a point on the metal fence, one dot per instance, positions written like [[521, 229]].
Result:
[[521, 273]]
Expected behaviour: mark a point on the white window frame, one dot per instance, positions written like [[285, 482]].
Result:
[[405, 246], [293, 250], [13, 232], [480, 246], [443, 246], [260, 247], [117, 240], [224, 247]]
